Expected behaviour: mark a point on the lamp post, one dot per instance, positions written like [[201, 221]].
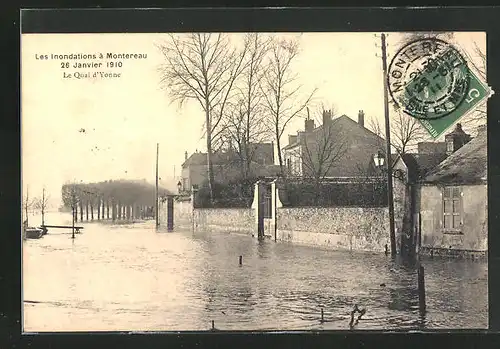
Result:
[[179, 187], [380, 160], [388, 149]]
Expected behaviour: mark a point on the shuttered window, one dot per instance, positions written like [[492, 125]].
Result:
[[452, 208]]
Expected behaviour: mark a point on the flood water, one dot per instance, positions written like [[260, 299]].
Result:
[[132, 278]]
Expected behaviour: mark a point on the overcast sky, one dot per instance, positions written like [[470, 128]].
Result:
[[124, 118]]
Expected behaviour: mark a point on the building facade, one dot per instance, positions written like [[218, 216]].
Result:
[[340, 147], [453, 198]]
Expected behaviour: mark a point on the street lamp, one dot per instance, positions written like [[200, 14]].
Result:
[[379, 163], [379, 159], [179, 187]]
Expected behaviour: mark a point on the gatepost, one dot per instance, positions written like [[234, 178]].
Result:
[[276, 203], [194, 190], [170, 213], [259, 209]]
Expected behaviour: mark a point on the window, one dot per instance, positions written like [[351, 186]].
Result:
[[452, 208], [449, 146]]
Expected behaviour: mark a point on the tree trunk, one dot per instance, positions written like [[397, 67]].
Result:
[[113, 210], [280, 157], [107, 209], [91, 211], [98, 209], [209, 151], [87, 211], [76, 213], [81, 211]]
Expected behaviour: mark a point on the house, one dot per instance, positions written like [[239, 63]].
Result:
[[227, 165], [442, 194], [409, 169], [340, 147], [453, 198]]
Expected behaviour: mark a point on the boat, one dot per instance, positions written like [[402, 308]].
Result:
[[33, 233]]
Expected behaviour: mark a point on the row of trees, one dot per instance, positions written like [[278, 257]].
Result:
[[119, 193]]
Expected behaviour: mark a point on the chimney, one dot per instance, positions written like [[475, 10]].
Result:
[[309, 125], [327, 116], [361, 118], [185, 155], [456, 139], [292, 139]]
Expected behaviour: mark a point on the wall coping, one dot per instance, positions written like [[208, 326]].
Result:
[[335, 207], [224, 208]]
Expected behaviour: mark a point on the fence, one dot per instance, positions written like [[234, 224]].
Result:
[[334, 193]]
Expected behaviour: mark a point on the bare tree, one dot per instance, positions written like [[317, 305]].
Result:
[[245, 119], [27, 205], [202, 67], [406, 133], [41, 204], [282, 94], [320, 151]]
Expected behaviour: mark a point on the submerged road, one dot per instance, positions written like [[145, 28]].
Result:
[[129, 277]]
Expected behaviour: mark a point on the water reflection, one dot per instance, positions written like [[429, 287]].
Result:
[[130, 277]]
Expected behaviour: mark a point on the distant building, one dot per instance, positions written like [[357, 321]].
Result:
[[227, 165], [339, 147]]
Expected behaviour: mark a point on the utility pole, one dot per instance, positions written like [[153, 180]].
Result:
[[156, 189], [388, 161], [26, 204], [73, 206], [43, 206]]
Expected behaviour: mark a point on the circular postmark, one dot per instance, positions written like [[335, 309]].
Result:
[[428, 78]]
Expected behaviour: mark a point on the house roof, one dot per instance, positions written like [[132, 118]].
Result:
[[420, 164], [343, 122], [467, 165], [260, 149]]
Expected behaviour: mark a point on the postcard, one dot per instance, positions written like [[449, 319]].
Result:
[[258, 181]]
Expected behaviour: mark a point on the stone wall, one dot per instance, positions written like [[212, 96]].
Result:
[[347, 228], [473, 235], [232, 220]]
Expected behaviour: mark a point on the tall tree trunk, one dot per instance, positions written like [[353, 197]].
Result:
[[113, 210], [99, 209], [107, 208], [87, 210], [209, 151], [280, 157], [81, 210], [91, 210], [76, 212]]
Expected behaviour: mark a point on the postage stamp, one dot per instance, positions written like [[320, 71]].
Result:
[[429, 79]]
